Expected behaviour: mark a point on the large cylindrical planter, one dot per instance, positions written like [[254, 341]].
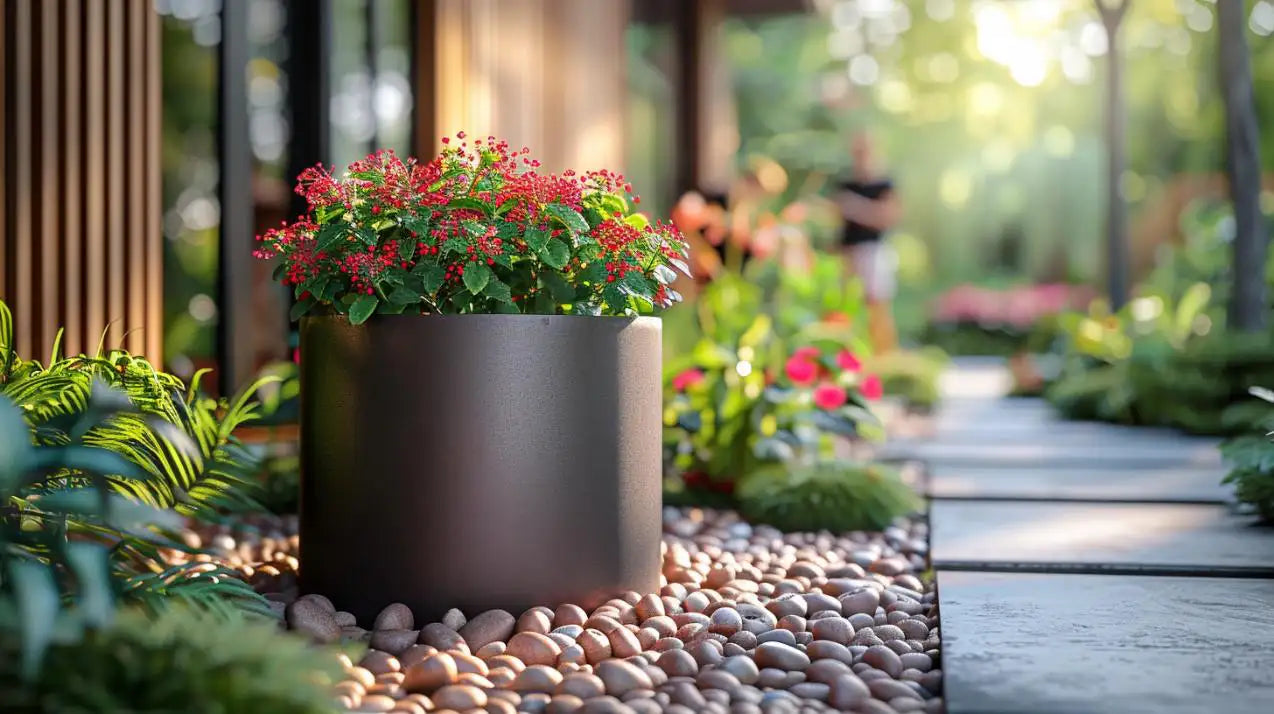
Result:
[[479, 461]]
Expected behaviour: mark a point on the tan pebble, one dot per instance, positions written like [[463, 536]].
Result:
[[620, 676], [509, 696], [393, 691], [596, 645], [534, 648], [414, 654], [346, 619], [376, 703], [623, 643], [476, 680], [647, 637], [362, 675], [459, 696], [534, 702], [436, 670], [563, 704], [603, 624], [678, 663], [572, 654], [584, 686], [438, 635], [390, 678], [664, 625], [393, 641], [649, 606], [379, 662], [499, 706], [668, 643], [534, 620], [349, 688], [406, 707], [562, 639], [395, 616], [569, 614], [490, 650], [469, 663], [345, 702], [488, 627], [537, 678], [507, 661], [501, 676]]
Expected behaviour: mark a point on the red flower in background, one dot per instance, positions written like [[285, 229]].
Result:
[[807, 353], [829, 396], [801, 370], [687, 379], [848, 362], [872, 388]]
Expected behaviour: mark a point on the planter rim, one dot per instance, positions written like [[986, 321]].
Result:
[[640, 319]]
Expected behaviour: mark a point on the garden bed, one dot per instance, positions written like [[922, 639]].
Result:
[[750, 619]]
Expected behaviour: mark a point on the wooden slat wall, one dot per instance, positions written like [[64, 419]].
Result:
[[80, 240], [515, 70]]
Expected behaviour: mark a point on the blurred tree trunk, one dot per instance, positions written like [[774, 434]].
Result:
[[1112, 16], [1243, 165]]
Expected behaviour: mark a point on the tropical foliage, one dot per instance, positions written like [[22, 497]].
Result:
[[1251, 460], [832, 495], [179, 661]]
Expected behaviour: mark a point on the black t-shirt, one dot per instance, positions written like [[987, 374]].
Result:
[[856, 233]]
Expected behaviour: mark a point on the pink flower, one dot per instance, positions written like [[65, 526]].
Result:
[[296, 355], [872, 388], [829, 396], [848, 362], [807, 353], [687, 379], [801, 370]]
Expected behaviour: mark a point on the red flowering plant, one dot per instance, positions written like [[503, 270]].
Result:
[[479, 229], [741, 400]]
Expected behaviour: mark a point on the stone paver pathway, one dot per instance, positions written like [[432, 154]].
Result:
[[1089, 568]]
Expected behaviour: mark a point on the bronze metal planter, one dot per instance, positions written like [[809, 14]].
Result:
[[479, 461]]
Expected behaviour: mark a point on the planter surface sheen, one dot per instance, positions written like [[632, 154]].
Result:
[[479, 461]]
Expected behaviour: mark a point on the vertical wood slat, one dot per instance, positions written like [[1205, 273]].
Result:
[[116, 243], [135, 158], [95, 178], [72, 180], [154, 248], [49, 306], [80, 242], [20, 181]]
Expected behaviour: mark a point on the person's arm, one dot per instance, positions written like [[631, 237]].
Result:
[[881, 213]]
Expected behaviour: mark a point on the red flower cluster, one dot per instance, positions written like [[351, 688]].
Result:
[[477, 229], [806, 367]]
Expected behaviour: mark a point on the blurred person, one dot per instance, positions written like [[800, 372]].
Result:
[[869, 207]]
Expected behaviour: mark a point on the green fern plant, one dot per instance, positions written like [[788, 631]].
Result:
[[180, 661], [1251, 460], [216, 474]]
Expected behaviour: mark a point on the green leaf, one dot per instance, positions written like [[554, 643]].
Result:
[[37, 597], [561, 291], [363, 307], [471, 204], [569, 217], [431, 275], [536, 239], [407, 248], [92, 568], [404, 295], [367, 235], [331, 234], [497, 290], [506, 206], [556, 254], [301, 307], [638, 221], [476, 276]]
